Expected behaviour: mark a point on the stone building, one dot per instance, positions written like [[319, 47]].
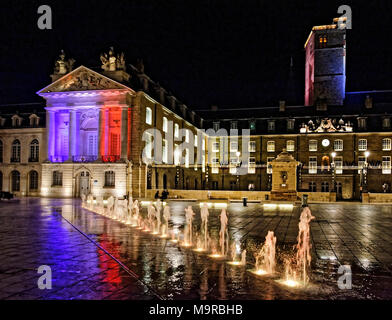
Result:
[[116, 132]]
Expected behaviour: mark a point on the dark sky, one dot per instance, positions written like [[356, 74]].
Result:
[[225, 53]]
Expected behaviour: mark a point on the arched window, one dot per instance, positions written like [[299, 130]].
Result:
[[110, 179], [1, 151], [1, 181], [33, 178], [15, 181], [34, 151], [57, 178], [15, 152]]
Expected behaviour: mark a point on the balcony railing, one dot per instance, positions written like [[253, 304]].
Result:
[[58, 158], [83, 158], [34, 159], [13, 160], [110, 158]]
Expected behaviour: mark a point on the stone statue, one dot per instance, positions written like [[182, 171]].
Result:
[[112, 63], [63, 66]]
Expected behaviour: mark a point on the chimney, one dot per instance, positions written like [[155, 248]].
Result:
[[368, 102], [282, 106], [214, 108]]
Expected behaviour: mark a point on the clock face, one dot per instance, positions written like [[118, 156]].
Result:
[[325, 143]]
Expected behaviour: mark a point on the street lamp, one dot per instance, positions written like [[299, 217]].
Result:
[[365, 171], [238, 153], [333, 154]]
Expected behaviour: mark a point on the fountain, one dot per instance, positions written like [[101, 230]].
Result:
[[189, 214], [158, 206], [166, 217], [223, 233], [265, 258], [235, 254], [150, 217], [204, 224], [296, 268]]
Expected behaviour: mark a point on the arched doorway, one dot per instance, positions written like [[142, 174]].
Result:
[[164, 182], [84, 183], [33, 181]]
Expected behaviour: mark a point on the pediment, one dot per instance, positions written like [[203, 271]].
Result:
[[83, 79]]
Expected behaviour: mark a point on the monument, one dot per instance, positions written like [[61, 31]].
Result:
[[284, 177]]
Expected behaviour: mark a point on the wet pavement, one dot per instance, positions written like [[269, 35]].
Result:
[[93, 257]]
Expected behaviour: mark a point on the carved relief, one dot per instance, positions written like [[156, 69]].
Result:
[[83, 80]]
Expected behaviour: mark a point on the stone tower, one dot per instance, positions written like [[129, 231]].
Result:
[[325, 65]]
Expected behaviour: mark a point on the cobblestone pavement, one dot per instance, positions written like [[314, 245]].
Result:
[[93, 257]]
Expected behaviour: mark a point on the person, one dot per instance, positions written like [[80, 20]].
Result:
[[156, 195]]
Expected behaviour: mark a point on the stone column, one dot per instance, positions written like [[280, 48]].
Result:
[[50, 132], [106, 133], [71, 135], [101, 132], [124, 133]]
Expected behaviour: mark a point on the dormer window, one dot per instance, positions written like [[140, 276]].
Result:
[[271, 125], [2, 121], [362, 123], [290, 124], [34, 120], [233, 125], [386, 123], [216, 125], [16, 121]]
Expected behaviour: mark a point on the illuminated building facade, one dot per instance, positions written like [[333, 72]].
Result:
[[94, 129]]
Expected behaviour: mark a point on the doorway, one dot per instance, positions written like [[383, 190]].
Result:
[[338, 191], [84, 183]]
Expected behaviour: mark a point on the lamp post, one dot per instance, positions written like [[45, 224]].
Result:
[[238, 153], [365, 171], [333, 154]]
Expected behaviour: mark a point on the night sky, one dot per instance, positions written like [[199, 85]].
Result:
[[224, 53]]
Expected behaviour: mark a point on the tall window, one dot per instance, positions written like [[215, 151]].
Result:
[[164, 124], [110, 179], [15, 152], [57, 178], [338, 145], [1, 181], [312, 145], [15, 180], [312, 186], [177, 155], [149, 145], [92, 148], [386, 165], [148, 115], [252, 146], [386, 144], [233, 146], [290, 145], [34, 151], [115, 144], [313, 165], [339, 165], [33, 180], [252, 165], [215, 147], [324, 186], [270, 146], [362, 144], [164, 151], [176, 130], [1, 151]]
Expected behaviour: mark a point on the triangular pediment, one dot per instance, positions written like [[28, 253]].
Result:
[[83, 79]]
